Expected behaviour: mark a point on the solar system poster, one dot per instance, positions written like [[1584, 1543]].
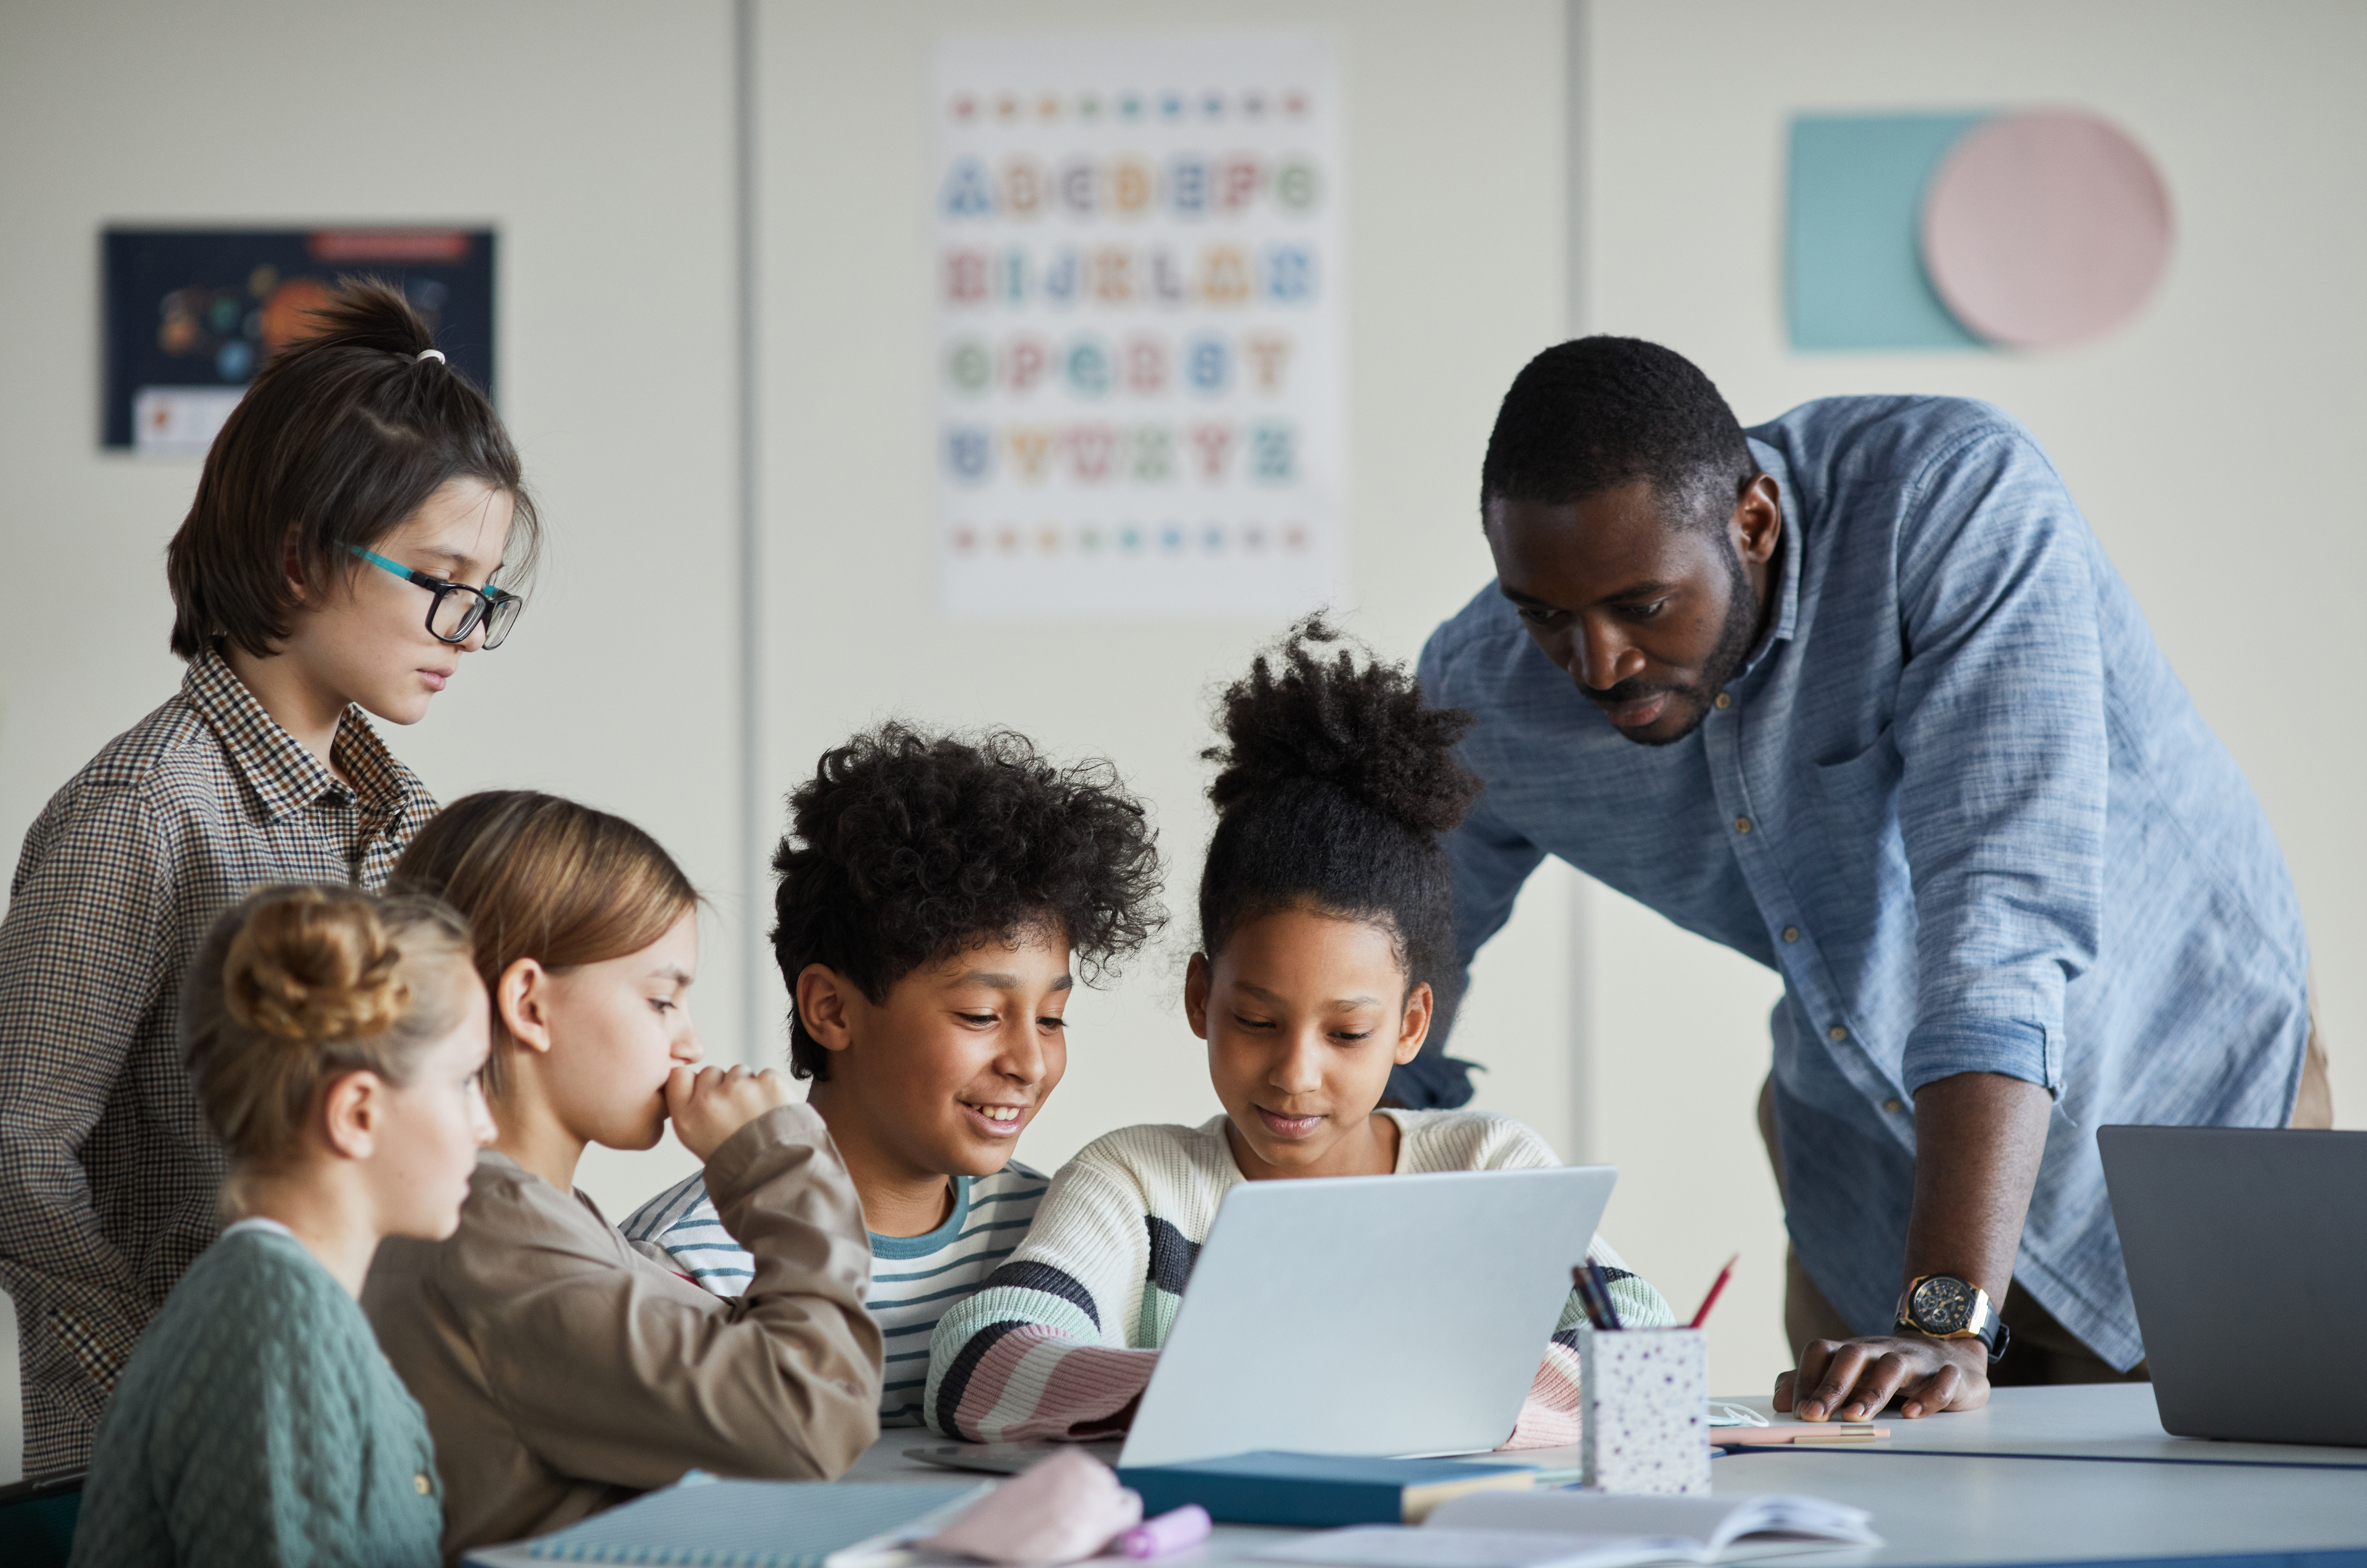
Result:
[[192, 314], [1139, 356]]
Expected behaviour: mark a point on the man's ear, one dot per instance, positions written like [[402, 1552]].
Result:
[[1758, 521], [353, 1110], [1415, 1027], [824, 998], [522, 1002], [1197, 982]]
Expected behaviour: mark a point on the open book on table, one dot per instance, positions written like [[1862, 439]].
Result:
[[1585, 1530]]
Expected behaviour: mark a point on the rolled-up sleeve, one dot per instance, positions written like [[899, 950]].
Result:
[[2000, 729]]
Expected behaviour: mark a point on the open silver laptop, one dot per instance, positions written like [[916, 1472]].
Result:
[[2246, 1252], [1370, 1315]]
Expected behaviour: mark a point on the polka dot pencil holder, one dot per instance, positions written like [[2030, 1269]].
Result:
[[1644, 1409]]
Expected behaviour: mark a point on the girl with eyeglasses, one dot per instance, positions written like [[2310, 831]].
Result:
[[360, 527]]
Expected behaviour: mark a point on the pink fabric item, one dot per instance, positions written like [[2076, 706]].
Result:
[[2046, 228], [1039, 1382], [1066, 1506], [1549, 1416]]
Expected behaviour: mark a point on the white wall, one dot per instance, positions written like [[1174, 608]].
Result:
[[1454, 185], [595, 138], [2210, 444]]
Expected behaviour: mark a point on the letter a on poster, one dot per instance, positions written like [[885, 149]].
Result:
[[1137, 281]]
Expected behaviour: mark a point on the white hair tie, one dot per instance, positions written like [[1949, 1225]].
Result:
[[435, 354]]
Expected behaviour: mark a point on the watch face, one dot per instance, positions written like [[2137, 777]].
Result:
[[1941, 1304]]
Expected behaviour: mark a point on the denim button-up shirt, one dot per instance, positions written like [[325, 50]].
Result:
[[1959, 801]]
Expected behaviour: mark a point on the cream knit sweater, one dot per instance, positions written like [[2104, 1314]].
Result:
[[1060, 1340]]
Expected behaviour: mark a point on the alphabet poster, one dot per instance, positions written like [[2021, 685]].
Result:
[[1138, 278]]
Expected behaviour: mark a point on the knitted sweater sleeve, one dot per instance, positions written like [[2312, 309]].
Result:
[[1052, 1344], [1549, 1416]]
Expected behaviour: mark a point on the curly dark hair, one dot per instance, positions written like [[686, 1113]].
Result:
[[1335, 781], [905, 847], [1596, 413]]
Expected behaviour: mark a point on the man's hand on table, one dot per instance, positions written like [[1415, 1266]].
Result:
[[1856, 1379], [1979, 1140]]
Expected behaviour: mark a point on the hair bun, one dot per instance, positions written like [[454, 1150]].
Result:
[[305, 967], [367, 312], [1345, 719]]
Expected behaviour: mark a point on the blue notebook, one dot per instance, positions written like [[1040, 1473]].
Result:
[[1317, 1490], [705, 1523]]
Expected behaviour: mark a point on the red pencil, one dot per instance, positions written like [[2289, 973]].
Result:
[[1715, 1286]]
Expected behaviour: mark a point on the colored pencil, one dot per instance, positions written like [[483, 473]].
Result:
[[1715, 1286], [1602, 1289]]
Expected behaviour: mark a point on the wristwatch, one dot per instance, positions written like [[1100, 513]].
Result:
[[1946, 1307]]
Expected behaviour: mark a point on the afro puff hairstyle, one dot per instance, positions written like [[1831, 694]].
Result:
[[1334, 783], [907, 848], [1597, 413]]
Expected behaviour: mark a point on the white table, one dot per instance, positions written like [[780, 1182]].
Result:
[[2100, 1421], [2054, 1475]]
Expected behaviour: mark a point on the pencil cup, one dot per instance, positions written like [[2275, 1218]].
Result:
[[1644, 1409]]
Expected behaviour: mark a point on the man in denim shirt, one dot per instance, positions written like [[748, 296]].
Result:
[[1858, 695]]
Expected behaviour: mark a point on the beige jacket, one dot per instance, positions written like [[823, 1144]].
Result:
[[562, 1370]]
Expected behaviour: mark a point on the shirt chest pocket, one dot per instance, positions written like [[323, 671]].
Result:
[[1856, 803]]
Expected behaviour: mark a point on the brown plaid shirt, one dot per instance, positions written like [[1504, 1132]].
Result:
[[108, 1173]]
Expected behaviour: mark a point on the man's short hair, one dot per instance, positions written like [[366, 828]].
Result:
[[906, 848], [1597, 413]]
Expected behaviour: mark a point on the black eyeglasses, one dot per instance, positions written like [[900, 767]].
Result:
[[457, 610]]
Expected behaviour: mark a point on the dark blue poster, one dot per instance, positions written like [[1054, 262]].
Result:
[[191, 314]]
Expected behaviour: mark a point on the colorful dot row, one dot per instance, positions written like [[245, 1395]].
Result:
[[967, 108], [1129, 538]]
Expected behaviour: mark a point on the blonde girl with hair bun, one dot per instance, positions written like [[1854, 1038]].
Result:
[[336, 1040], [561, 1367]]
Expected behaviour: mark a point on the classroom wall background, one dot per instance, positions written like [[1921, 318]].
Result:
[[2205, 441]]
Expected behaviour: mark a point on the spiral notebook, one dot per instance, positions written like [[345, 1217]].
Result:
[[705, 1523]]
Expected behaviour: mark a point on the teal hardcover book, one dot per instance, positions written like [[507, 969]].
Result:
[[1317, 1490], [705, 1523]]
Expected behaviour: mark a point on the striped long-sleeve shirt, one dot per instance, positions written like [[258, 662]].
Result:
[[913, 1277], [1061, 1339]]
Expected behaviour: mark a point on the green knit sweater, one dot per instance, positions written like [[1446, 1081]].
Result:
[[258, 1424]]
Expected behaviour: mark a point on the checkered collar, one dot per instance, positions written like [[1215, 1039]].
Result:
[[283, 774]]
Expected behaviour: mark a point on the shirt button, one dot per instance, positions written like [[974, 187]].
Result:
[[1836, 1032], [1742, 824], [1724, 700], [1791, 933], [421, 1484], [1892, 1105]]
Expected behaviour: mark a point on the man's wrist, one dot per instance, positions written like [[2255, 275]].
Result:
[[1951, 1308]]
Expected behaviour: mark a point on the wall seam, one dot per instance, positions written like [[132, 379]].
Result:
[[752, 1032]]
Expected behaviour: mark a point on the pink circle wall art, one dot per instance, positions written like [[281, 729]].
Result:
[[2046, 228]]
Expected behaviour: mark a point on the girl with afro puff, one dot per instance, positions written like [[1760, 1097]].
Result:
[[1325, 922]]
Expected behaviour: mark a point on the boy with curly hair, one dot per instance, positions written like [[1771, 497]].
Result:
[[934, 890]]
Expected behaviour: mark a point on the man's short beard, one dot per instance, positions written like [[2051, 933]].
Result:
[[1725, 661]]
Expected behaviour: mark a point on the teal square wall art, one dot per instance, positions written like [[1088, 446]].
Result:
[[1854, 274]]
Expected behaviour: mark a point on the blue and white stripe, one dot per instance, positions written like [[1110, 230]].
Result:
[[915, 1279]]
